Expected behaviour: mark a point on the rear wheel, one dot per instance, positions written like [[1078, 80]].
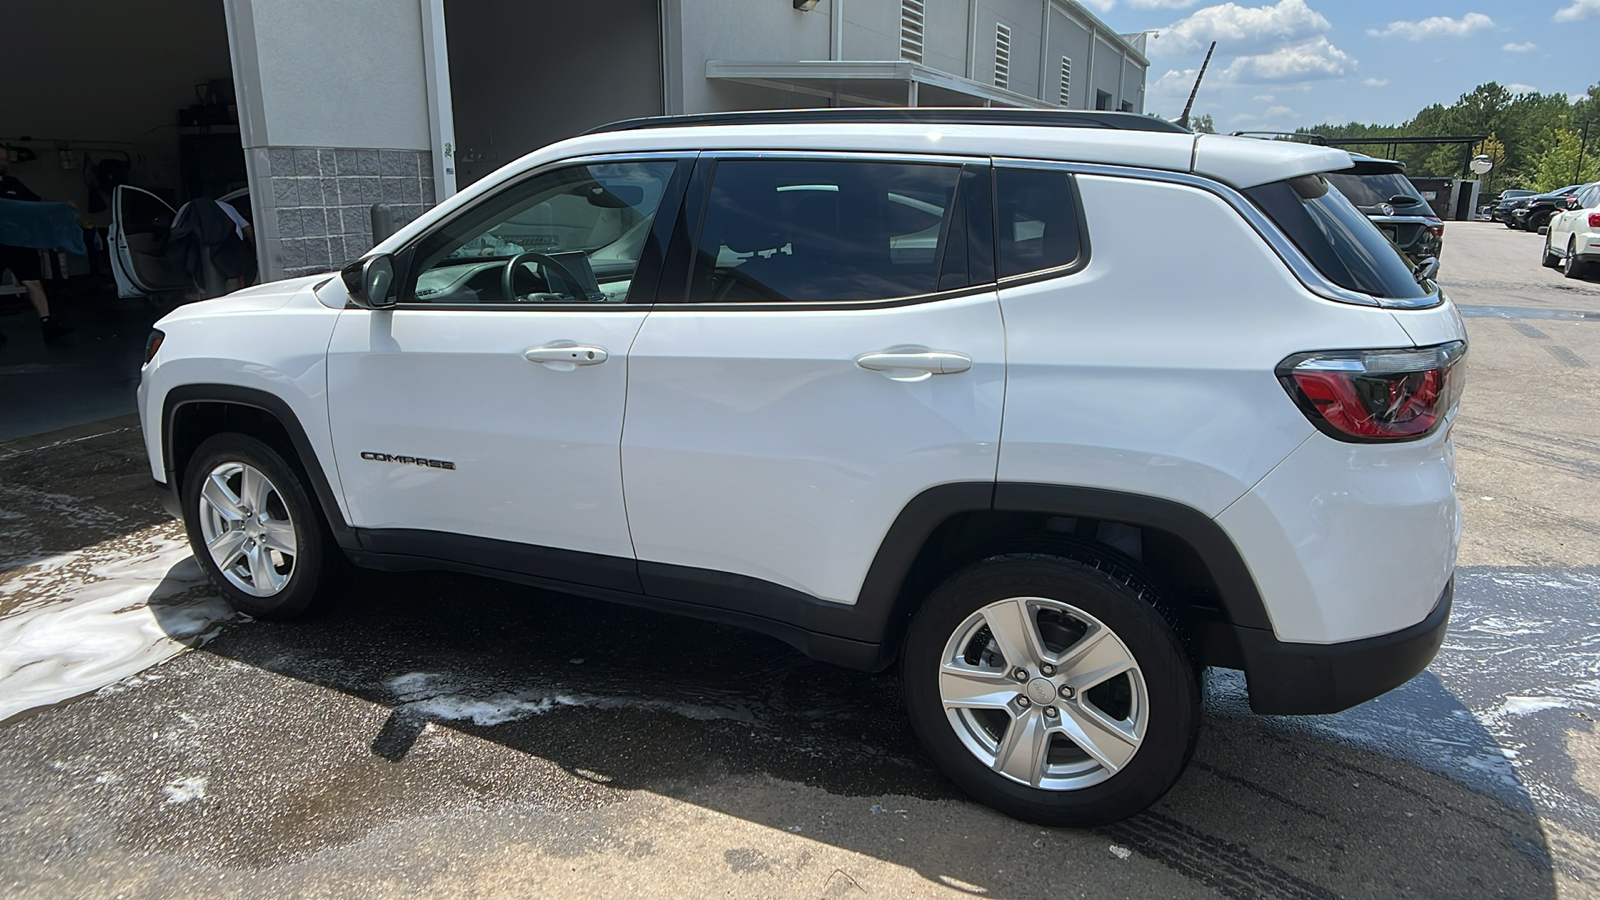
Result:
[[1052, 688], [1549, 259], [254, 529], [1572, 266]]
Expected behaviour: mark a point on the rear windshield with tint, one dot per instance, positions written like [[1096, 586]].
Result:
[[1347, 248], [1371, 190]]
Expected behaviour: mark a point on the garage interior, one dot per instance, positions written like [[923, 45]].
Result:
[[102, 93]]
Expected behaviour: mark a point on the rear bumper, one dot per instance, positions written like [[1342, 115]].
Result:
[[1291, 679]]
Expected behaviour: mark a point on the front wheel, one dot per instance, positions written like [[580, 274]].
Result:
[[254, 529], [1052, 688]]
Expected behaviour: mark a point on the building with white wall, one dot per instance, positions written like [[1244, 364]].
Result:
[[340, 104]]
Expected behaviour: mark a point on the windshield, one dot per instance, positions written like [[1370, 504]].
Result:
[[1342, 243], [1371, 190]]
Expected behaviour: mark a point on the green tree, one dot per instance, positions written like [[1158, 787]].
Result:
[[1524, 126], [1560, 165], [1202, 124]]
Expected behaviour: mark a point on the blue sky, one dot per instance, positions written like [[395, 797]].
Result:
[[1283, 63]]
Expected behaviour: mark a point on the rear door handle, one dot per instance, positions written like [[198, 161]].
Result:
[[564, 356], [914, 363]]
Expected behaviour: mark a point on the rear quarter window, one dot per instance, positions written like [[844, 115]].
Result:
[[1344, 246]]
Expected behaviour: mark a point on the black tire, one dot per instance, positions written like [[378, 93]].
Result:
[[1572, 266], [317, 559], [1534, 223], [1548, 259], [1132, 610]]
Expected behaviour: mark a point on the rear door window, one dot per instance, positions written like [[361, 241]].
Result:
[[1341, 242], [811, 230]]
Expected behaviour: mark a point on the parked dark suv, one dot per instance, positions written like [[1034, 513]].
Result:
[[1508, 202], [1536, 214], [1380, 189]]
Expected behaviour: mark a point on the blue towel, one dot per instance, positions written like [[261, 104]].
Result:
[[45, 226]]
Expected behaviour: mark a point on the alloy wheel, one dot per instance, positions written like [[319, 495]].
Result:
[[1044, 693], [247, 529]]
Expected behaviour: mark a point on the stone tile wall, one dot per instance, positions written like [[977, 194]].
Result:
[[322, 201]]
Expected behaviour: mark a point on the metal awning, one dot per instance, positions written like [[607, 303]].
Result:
[[881, 83]]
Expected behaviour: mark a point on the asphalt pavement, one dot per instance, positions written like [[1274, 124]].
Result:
[[447, 736]]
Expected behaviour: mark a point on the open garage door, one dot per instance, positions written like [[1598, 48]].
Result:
[[116, 108]]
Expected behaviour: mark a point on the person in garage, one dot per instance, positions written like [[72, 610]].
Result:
[[24, 261]]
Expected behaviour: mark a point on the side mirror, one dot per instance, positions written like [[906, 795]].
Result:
[[1427, 269], [370, 281]]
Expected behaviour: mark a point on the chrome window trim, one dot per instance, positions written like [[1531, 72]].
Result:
[[845, 156], [1306, 273]]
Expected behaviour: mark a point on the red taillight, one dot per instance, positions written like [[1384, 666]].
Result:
[[1436, 226], [1594, 220], [1376, 395]]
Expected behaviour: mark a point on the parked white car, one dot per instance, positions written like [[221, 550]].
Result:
[[892, 386], [1572, 243]]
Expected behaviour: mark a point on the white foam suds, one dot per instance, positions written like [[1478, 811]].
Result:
[[83, 620], [436, 696], [185, 789]]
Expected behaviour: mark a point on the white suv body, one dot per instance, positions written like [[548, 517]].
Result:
[[810, 370], [1572, 241]]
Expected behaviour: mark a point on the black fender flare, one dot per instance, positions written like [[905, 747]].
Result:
[[322, 488], [879, 609]]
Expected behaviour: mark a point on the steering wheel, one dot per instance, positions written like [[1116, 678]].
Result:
[[508, 275]]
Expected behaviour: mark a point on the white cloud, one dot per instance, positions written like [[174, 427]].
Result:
[[1173, 86], [1438, 26], [1263, 98], [1312, 60], [1580, 9], [1101, 6], [1520, 48], [1574, 98], [1375, 82], [1277, 112], [1160, 4], [1241, 28], [1517, 88]]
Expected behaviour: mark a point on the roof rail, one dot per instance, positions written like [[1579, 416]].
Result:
[[1311, 137], [922, 115]]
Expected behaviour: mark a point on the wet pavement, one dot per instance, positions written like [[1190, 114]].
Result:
[[85, 377], [451, 736]]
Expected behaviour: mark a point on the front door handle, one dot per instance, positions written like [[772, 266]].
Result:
[[564, 356], [914, 363]]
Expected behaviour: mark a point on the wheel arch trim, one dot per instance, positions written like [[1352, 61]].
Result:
[[882, 608], [276, 407]]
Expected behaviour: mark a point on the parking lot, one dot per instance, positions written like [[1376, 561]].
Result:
[[445, 736]]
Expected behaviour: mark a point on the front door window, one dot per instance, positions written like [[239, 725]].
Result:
[[571, 235]]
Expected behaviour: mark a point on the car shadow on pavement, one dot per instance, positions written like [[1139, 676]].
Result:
[[636, 700]]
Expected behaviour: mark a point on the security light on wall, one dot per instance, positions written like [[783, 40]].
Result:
[[806, 5]]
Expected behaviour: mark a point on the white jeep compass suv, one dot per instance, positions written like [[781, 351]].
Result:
[[1052, 408]]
